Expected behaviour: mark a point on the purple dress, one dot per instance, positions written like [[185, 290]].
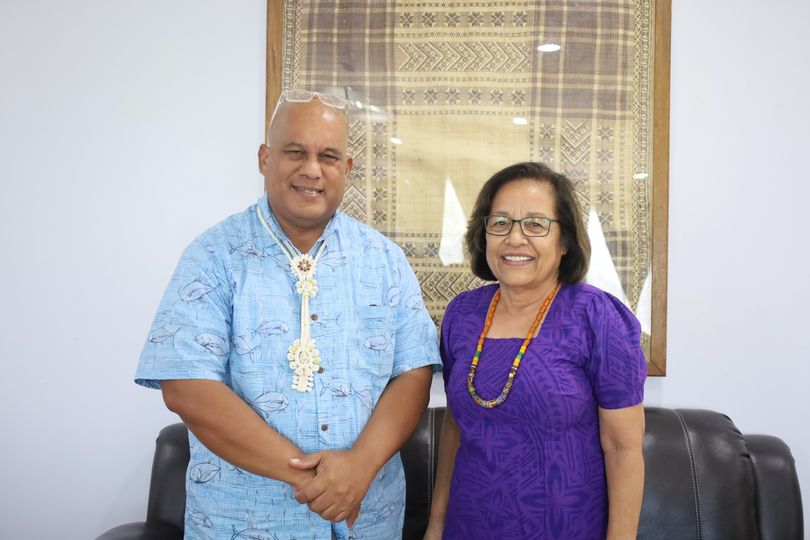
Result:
[[533, 467]]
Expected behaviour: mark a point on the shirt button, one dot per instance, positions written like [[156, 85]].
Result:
[[324, 427], [314, 317], [320, 369]]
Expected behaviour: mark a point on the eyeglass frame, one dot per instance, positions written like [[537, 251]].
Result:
[[520, 221], [305, 96]]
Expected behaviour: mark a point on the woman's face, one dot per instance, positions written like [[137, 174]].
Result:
[[530, 264]]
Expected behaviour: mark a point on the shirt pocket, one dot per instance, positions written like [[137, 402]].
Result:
[[376, 343]]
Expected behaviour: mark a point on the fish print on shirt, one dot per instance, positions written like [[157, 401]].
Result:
[[204, 472], [333, 259], [200, 519], [249, 249], [325, 322], [213, 343], [374, 243], [393, 294], [379, 343], [163, 335], [338, 387], [195, 291], [268, 403], [383, 512], [271, 328], [252, 534], [414, 302], [243, 347], [365, 397]]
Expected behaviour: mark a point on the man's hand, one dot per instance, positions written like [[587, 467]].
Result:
[[342, 479]]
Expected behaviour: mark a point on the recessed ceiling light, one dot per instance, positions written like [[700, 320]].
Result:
[[519, 121], [640, 176], [548, 47], [396, 140]]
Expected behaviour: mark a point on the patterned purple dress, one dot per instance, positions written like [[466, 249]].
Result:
[[533, 467]]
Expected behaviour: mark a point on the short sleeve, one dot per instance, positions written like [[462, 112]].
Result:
[[616, 364], [416, 339], [191, 333]]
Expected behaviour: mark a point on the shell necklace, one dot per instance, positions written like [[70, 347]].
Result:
[[538, 321], [303, 355]]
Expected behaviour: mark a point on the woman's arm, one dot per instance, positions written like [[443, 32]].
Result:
[[622, 434], [448, 445]]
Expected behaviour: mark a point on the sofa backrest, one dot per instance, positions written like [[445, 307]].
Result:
[[702, 480]]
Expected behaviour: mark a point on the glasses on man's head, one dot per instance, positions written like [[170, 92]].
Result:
[[532, 226], [299, 95]]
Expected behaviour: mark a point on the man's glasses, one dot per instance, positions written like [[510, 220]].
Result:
[[535, 226], [299, 95]]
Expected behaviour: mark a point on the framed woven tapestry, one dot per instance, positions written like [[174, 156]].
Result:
[[445, 93]]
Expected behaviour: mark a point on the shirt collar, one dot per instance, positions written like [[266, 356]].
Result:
[[331, 229]]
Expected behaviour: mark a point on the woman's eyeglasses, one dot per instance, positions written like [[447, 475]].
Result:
[[533, 226]]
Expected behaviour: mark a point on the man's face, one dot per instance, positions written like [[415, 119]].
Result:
[[305, 165]]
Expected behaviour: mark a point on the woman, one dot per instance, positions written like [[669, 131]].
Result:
[[544, 379]]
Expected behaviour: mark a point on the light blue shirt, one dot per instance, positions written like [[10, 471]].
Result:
[[230, 312]]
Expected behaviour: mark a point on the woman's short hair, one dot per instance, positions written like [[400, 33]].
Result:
[[574, 264]]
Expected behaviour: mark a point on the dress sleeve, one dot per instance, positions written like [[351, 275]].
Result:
[[416, 343], [190, 336], [616, 364]]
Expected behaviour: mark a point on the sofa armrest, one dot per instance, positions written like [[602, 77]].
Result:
[[167, 489], [779, 500], [143, 530], [419, 461]]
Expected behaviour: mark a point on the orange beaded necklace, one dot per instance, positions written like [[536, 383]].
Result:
[[491, 403]]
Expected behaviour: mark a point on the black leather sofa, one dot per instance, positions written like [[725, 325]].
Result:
[[704, 480]]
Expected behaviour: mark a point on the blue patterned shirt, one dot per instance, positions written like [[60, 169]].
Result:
[[229, 314]]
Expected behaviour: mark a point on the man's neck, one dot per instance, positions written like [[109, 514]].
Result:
[[304, 245], [303, 238]]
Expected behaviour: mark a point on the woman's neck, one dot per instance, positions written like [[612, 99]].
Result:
[[518, 300], [517, 309]]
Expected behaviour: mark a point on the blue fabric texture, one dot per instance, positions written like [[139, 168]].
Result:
[[229, 314]]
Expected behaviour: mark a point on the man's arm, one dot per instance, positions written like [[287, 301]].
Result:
[[622, 435], [343, 477], [227, 426]]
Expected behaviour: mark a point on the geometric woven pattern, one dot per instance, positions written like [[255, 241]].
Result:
[[437, 88]]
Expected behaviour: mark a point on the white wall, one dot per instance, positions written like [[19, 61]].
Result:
[[739, 270], [128, 127]]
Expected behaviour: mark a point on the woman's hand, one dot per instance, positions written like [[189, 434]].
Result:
[[433, 532]]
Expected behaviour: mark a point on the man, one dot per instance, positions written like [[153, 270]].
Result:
[[293, 342]]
